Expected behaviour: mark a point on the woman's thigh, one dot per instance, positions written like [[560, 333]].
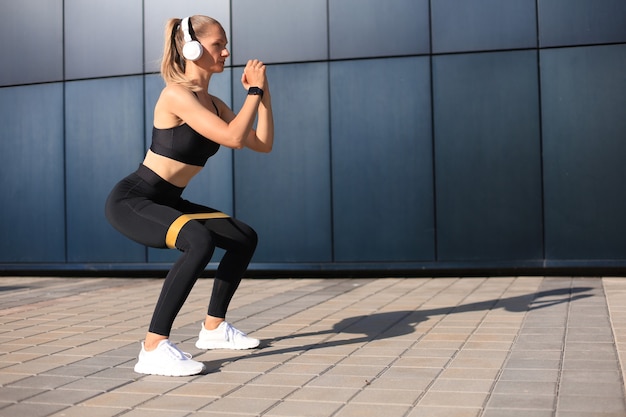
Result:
[[143, 221]]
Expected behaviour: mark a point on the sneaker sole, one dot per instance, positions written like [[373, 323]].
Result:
[[211, 346], [162, 372]]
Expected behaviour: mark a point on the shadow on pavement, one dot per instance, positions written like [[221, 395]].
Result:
[[399, 323]]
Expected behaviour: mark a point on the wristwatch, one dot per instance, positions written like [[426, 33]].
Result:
[[255, 91]]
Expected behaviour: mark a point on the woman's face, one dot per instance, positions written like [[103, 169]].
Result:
[[214, 43]]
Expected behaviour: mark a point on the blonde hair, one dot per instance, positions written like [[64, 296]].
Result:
[[173, 63]]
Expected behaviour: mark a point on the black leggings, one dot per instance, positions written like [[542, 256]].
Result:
[[143, 206]]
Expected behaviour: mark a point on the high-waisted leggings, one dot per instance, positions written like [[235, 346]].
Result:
[[143, 206]]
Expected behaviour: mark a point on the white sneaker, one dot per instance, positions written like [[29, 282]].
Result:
[[167, 360], [225, 337]]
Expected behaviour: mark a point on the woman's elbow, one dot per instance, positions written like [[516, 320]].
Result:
[[237, 142]]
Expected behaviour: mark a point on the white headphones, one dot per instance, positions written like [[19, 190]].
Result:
[[192, 49]]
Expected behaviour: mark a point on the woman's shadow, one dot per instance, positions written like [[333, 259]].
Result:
[[398, 323]]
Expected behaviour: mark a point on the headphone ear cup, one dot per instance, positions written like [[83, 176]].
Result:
[[192, 50]]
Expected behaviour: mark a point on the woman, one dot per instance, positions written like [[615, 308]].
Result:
[[146, 206]]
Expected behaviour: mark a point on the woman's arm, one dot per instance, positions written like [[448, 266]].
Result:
[[262, 139], [230, 130], [184, 106]]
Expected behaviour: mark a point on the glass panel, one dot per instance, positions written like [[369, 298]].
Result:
[[487, 156], [382, 160], [579, 22], [32, 42], [104, 142], [379, 28], [583, 101], [461, 25], [32, 213], [103, 38], [285, 195], [279, 30], [157, 12]]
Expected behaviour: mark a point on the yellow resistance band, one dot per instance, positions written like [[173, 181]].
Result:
[[174, 230]]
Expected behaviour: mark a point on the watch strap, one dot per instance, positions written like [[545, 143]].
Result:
[[255, 91]]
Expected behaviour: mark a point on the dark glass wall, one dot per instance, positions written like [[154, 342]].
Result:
[[410, 134]]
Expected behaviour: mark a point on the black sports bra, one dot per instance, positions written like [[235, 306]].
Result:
[[183, 144]]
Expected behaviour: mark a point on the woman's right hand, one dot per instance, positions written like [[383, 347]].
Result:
[[254, 75]]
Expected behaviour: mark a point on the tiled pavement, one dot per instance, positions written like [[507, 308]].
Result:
[[387, 347]]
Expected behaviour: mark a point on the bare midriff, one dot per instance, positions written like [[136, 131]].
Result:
[[172, 171]]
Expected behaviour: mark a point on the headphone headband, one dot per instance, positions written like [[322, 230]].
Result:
[[185, 25]]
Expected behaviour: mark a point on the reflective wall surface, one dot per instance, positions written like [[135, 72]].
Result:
[[410, 134]]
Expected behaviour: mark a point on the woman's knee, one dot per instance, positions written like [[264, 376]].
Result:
[[250, 238], [253, 238], [194, 236]]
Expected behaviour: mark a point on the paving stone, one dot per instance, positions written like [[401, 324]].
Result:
[[380, 396], [30, 410], [462, 385], [254, 406], [63, 397], [458, 399], [170, 402], [595, 389], [304, 409], [118, 400], [372, 410], [138, 412], [525, 387], [82, 411], [428, 411], [592, 404], [44, 381], [324, 394], [516, 412], [262, 391], [522, 401]]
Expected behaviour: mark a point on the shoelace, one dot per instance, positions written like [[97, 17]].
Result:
[[175, 352], [231, 332]]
